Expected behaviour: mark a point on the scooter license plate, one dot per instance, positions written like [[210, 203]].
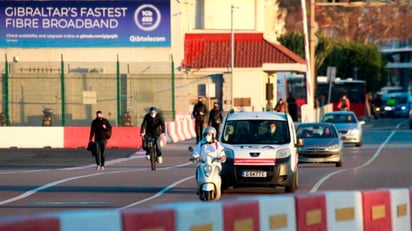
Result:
[[254, 174]]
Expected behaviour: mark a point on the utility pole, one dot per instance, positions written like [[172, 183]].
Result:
[[232, 53], [308, 109]]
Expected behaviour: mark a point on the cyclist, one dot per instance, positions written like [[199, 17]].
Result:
[[209, 145], [154, 125]]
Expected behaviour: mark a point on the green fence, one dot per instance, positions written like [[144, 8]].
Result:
[[74, 91]]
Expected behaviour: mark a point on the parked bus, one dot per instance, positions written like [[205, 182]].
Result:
[[355, 90]]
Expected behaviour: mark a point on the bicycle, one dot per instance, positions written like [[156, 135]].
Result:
[[151, 146]]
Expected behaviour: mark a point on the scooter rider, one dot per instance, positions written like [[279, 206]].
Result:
[[209, 146]]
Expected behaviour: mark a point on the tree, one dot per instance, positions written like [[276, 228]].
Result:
[[295, 42], [353, 59]]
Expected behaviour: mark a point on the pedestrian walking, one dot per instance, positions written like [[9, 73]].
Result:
[[101, 130], [292, 107], [216, 118], [199, 112]]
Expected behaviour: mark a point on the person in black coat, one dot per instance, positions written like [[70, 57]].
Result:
[[199, 112], [216, 118], [292, 107], [154, 125], [99, 130]]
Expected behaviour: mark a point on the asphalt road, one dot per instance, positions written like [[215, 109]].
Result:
[[50, 180]]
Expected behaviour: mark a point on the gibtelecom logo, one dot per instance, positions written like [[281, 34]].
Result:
[[147, 17]]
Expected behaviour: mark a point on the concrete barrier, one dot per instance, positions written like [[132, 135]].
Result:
[[78, 137], [380, 209]]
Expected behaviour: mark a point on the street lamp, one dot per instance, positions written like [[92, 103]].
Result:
[[232, 50]]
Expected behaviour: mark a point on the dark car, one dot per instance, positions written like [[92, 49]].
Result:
[[397, 104], [322, 143]]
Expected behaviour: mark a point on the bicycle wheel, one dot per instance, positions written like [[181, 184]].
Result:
[[153, 157]]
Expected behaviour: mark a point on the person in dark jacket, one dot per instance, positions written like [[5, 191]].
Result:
[[199, 112], [216, 118], [154, 125], [98, 129], [292, 107]]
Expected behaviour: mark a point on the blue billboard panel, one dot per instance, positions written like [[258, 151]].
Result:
[[32, 24]]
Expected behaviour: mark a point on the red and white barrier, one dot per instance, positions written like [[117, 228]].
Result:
[[376, 210], [90, 220], [192, 128], [35, 223], [185, 129], [240, 214], [181, 130], [400, 209], [344, 210], [209, 216], [311, 212], [370, 210], [148, 219], [276, 212]]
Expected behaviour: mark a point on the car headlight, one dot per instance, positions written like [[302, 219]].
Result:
[[332, 147], [403, 108], [282, 153], [354, 132], [387, 108]]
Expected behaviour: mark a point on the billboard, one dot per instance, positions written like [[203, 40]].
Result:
[[124, 23]]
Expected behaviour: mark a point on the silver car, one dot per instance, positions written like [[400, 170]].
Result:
[[322, 143], [348, 125]]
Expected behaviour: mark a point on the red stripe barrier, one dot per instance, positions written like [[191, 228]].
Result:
[[376, 210], [179, 130], [311, 212], [31, 224], [122, 137], [171, 132], [241, 215], [148, 219], [185, 129], [380, 210], [192, 129]]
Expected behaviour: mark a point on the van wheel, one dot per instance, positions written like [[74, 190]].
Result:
[[292, 188]]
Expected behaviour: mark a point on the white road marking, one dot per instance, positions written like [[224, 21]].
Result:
[[376, 155], [160, 193], [52, 184]]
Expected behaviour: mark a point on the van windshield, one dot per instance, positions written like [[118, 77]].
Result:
[[255, 132]]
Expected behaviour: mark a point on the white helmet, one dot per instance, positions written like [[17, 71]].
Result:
[[209, 129]]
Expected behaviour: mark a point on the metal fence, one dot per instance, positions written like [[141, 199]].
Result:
[[74, 91]]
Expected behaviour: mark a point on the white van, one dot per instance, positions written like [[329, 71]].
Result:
[[257, 157]]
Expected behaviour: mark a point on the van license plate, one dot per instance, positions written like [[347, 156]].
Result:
[[254, 174]]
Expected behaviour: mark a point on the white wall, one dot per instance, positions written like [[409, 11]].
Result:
[[250, 83]]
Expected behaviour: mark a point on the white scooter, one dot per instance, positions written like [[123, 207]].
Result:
[[208, 177]]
